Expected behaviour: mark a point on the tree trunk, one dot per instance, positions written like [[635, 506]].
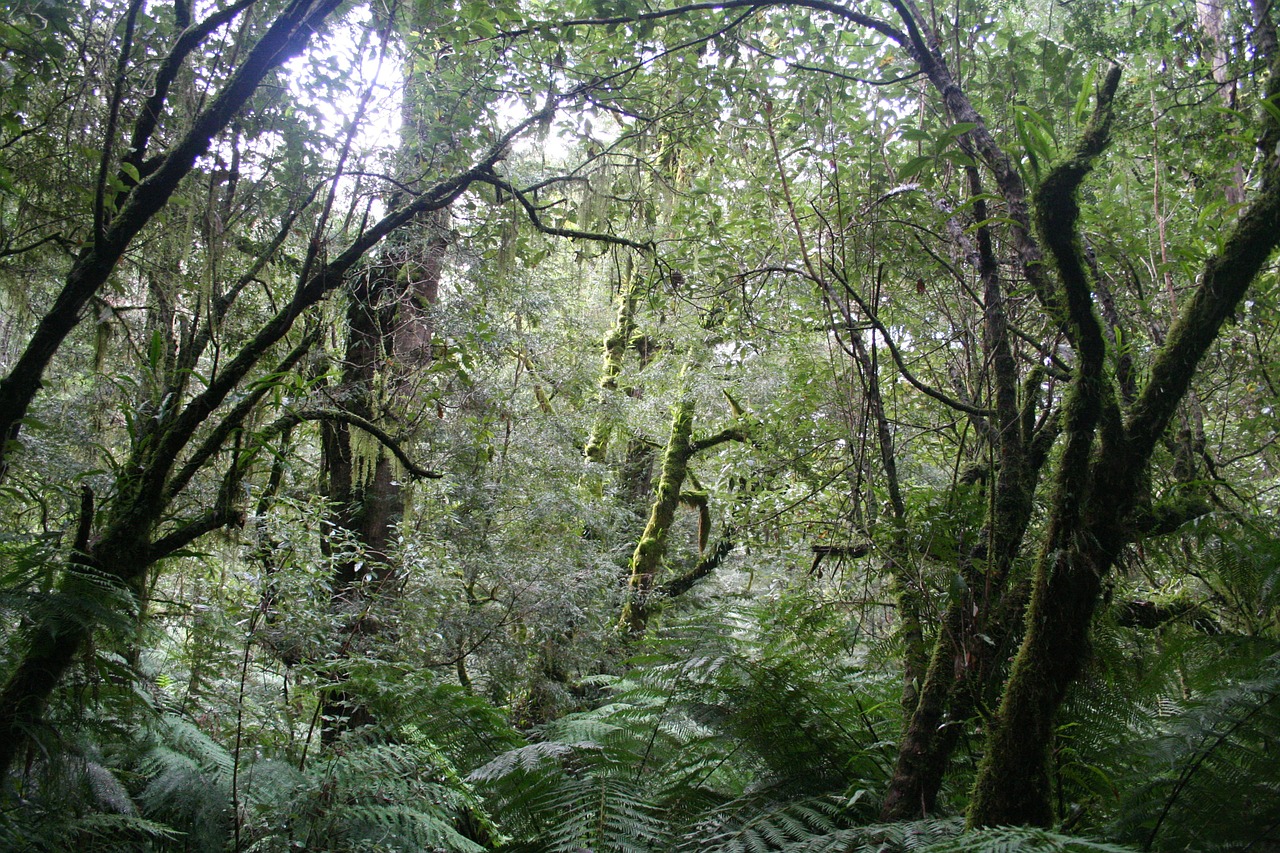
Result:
[[649, 558], [651, 550], [1101, 473], [390, 333]]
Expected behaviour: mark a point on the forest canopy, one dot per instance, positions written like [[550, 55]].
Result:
[[606, 425]]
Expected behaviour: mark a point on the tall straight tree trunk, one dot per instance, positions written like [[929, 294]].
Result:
[[389, 338], [362, 481]]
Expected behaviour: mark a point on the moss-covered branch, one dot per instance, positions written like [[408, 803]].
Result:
[[1012, 784], [616, 341], [649, 558]]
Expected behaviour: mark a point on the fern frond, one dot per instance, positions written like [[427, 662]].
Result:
[[1213, 782], [371, 795], [1021, 839], [753, 823], [403, 827]]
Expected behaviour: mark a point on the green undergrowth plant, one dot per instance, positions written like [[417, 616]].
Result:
[[159, 782], [1210, 779], [731, 734], [398, 785], [1169, 741]]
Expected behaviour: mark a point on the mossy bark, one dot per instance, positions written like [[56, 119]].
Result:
[[649, 557], [183, 440], [976, 626], [651, 550], [1100, 478], [93, 266], [616, 342], [390, 334]]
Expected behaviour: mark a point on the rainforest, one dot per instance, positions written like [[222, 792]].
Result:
[[540, 426]]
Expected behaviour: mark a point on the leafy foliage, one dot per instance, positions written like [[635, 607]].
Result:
[[1208, 757], [211, 642]]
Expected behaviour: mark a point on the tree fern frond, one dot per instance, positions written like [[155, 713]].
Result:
[[529, 758], [603, 814], [388, 796], [904, 837], [106, 832], [1021, 839], [949, 836], [463, 727], [754, 823], [398, 827], [1213, 781]]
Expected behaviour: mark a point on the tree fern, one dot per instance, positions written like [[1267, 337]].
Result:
[[1017, 839], [1212, 779], [74, 801], [368, 795]]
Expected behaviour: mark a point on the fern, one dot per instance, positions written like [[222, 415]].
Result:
[[1213, 782], [89, 833], [187, 783], [414, 704], [1021, 839], [728, 737], [754, 822], [945, 836], [367, 795], [76, 802]]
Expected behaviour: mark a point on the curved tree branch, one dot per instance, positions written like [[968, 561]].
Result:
[[531, 210], [384, 438], [286, 35], [896, 354]]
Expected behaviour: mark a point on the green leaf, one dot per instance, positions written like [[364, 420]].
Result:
[[959, 129], [914, 167], [155, 351]]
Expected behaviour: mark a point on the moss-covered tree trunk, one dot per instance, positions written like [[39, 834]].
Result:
[[651, 551], [616, 343], [649, 558], [1101, 473], [157, 172], [978, 621], [115, 546]]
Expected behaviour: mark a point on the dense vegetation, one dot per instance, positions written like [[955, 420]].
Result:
[[602, 425]]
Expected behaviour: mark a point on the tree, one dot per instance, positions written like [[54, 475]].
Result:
[[1000, 313], [186, 431], [1099, 480]]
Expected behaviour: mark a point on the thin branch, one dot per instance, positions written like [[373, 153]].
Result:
[[235, 419], [683, 583], [188, 40], [7, 252], [896, 354], [531, 210], [113, 115], [384, 438]]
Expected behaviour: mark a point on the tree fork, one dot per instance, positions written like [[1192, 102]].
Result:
[[651, 550]]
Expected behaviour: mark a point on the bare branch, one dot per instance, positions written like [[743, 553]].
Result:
[[384, 438], [531, 210]]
